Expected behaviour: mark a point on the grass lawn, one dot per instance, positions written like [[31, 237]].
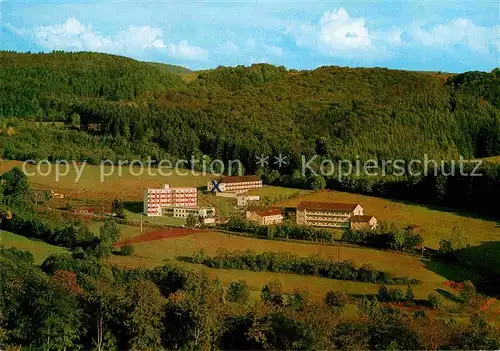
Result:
[[224, 207], [153, 253], [39, 249], [435, 224], [276, 191]]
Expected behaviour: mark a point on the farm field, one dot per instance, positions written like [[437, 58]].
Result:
[[435, 224], [120, 183], [39, 249], [149, 254]]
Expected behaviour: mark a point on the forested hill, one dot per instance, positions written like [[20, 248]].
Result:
[[28, 80], [239, 112]]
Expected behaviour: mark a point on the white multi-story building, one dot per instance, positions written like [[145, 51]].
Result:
[[156, 200], [328, 214], [235, 183]]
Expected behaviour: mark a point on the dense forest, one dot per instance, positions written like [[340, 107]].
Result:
[[129, 109]]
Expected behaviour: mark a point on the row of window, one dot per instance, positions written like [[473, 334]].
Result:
[[325, 213], [327, 219], [242, 183], [170, 196]]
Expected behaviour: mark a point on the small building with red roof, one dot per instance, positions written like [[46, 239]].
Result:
[[264, 215]]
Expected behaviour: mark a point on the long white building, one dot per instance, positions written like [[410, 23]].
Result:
[[235, 184]]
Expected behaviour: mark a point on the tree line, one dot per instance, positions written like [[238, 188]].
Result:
[[286, 262], [281, 231]]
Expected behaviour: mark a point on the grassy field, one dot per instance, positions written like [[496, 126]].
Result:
[[39, 249], [153, 253], [277, 191], [492, 159], [120, 183], [126, 231], [435, 224]]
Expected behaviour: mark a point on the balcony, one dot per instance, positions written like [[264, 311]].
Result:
[[325, 213], [327, 219]]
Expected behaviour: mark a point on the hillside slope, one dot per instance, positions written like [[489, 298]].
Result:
[[240, 112], [134, 110], [30, 80]]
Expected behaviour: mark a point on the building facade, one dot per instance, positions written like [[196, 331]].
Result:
[[242, 199], [157, 199], [183, 211], [264, 216], [235, 184], [364, 222], [327, 214]]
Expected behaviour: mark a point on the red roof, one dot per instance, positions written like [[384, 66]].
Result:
[[365, 218], [269, 212], [238, 179], [335, 206], [264, 211]]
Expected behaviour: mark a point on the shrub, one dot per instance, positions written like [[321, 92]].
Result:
[[272, 293], [410, 295], [383, 293], [17, 255], [298, 299], [198, 256], [367, 274], [435, 301], [468, 291], [238, 292], [126, 250], [396, 295], [336, 299], [420, 314]]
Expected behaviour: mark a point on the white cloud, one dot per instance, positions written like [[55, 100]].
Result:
[[18, 31], [72, 35], [459, 31], [142, 37], [393, 37], [260, 59], [251, 43], [228, 48], [185, 51], [273, 49], [336, 34]]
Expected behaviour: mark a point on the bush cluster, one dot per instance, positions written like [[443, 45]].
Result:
[[70, 234], [285, 262], [384, 237], [395, 294], [282, 231]]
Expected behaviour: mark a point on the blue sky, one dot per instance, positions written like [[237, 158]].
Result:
[[451, 35]]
